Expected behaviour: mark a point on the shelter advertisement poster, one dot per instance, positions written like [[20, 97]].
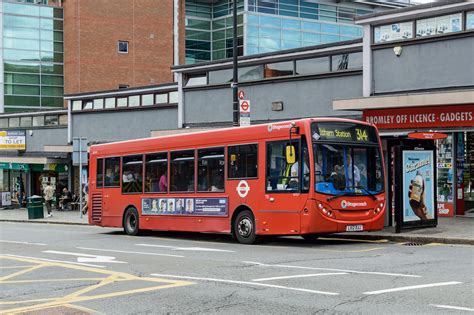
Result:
[[185, 206], [418, 185]]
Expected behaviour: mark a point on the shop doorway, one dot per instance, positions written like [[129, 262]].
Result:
[[468, 176]]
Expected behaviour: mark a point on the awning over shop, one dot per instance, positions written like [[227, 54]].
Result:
[[14, 166]]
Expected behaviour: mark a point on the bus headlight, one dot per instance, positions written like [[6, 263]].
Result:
[[326, 210], [379, 208]]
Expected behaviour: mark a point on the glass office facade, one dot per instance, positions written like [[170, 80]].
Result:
[[266, 26], [32, 56]]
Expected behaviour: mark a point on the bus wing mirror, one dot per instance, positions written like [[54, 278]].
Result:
[[290, 154]]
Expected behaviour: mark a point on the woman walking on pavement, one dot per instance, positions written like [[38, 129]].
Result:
[[48, 197]]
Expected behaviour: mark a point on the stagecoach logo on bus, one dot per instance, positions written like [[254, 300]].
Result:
[[345, 204], [185, 206]]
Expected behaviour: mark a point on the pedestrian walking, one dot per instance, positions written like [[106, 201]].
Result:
[[48, 197]]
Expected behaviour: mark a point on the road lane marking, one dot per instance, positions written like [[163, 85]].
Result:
[[77, 297], [459, 308], [86, 258], [301, 276], [245, 283], [55, 261], [352, 240], [23, 243], [332, 269], [413, 287], [198, 249], [129, 252]]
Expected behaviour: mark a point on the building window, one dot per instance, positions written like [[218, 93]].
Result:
[[122, 101], [14, 122], [4, 123], [312, 66], [439, 25], [211, 169], [122, 47], [134, 100], [347, 62], [63, 120], [173, 97], [182, 171], [110, 102], [87, 104], [76, 105], [161, 98], [38, 121], [278, 69], [393, 32], [243, 161], [26, 121], [470, 20], [51, 120], [132, 174], [123, 86], [147, 99], [196, 79], [99, 103]]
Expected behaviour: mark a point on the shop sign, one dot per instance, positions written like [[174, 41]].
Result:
[[12, 140], [14, 166], [421, 117], [427, 135], [6, 198], [445, 209]]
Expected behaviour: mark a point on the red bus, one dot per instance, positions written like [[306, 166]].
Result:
[[244, 181]]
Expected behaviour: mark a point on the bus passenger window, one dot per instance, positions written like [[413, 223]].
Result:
[[243, 161], [211, 169], [100, 173], [132, 174], [112, 172], [282, 176], [182, 171], [156, 177]]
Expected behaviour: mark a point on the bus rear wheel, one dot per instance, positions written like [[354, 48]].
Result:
[[244, 228], [130, 222]]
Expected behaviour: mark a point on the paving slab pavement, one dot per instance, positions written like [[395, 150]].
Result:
[[455, 230]]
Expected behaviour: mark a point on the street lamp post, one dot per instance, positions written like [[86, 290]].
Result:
[[235, 81]]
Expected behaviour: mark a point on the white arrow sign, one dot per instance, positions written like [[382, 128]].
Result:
[[88, 258]]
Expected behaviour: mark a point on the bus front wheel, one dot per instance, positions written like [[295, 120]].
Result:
[[244, 227], [130, 222]]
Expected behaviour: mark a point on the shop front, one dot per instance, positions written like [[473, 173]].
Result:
[[453, 126]]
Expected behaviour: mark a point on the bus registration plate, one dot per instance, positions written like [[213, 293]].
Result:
[[354, 228]]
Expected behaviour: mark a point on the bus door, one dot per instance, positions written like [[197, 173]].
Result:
[[111, 190], [287, 184]]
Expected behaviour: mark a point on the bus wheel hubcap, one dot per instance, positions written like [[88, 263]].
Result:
[[245, 227], [132, 222]]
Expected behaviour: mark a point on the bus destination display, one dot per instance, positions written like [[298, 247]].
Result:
[[343, 132]]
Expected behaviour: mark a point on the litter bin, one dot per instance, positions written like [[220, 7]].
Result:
[[35, 207]]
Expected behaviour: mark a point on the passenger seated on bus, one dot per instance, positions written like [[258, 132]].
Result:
[[163, 184]]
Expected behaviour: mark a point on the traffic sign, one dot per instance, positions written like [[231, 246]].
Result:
[[241, 95], [244, 106]]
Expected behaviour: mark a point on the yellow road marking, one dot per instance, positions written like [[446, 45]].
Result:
[[82, 308], [77, 296], [53, 280], [15, 267], [21, 272], [26, 301]]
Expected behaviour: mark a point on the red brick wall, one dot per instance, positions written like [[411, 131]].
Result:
[[92, 30]]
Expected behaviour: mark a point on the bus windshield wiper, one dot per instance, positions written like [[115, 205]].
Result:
[[367, 191], [347, 193]]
